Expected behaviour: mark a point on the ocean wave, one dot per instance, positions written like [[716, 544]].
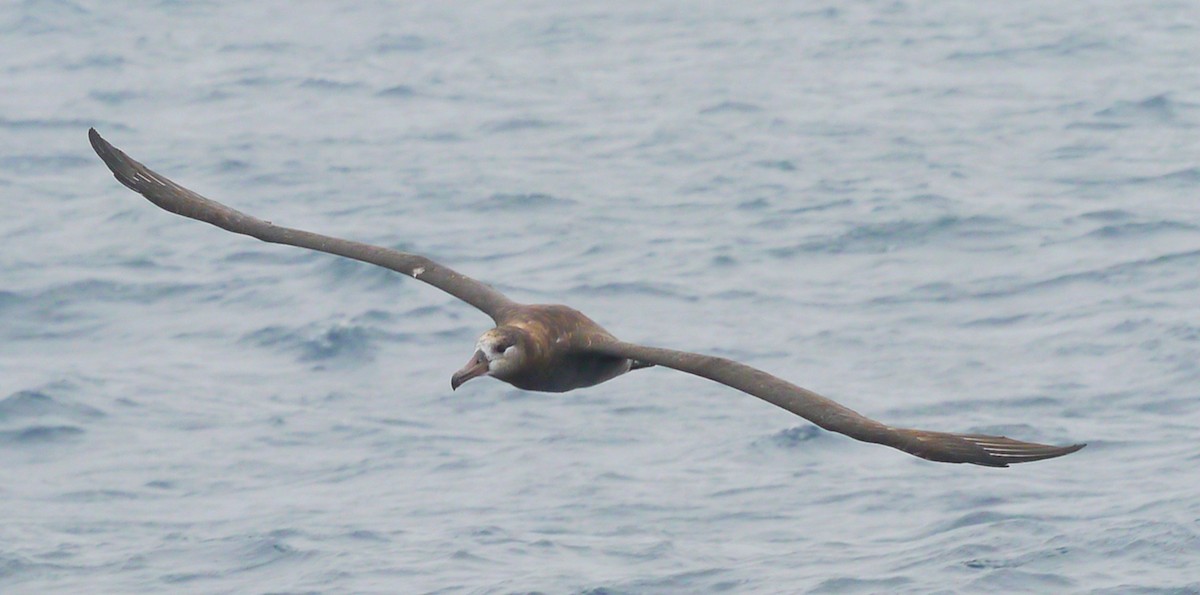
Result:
[[522, 202], [885, 237], [30, 164], [1123, 231], [40, 434], [36, 404], [516, 125], [319, 343], [635, 288]]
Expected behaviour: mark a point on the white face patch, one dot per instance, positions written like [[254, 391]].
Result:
[[417, 272], [499, 362]]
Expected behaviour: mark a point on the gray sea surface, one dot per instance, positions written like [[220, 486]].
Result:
[[961, 216]]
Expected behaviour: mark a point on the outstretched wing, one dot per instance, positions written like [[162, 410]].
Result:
[[991, 451], [181, 201]]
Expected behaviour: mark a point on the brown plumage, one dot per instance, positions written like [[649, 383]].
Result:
[[556, 349]]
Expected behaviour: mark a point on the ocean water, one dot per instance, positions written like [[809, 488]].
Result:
[[956, 216]]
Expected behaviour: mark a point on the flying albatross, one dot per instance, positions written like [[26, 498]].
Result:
[[554, 348]]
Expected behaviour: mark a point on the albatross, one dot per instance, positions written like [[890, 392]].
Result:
[[554, 348]]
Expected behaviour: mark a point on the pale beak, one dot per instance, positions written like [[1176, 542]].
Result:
[[478, 366]]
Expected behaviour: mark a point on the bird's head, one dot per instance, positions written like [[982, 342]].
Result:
[[499, 352]]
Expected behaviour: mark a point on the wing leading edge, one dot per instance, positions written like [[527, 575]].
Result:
[[991, 451], [172, 197]]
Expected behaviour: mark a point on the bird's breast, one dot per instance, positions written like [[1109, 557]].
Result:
[[569, 372]]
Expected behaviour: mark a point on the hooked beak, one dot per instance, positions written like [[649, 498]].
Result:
[[478, 366]]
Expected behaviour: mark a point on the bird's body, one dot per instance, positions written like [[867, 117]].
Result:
[[554, 340], [554, 348]]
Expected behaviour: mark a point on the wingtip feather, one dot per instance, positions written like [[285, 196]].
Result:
[[1001, 449]]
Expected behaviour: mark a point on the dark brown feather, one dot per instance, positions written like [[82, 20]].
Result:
[[179, 200], [991, 451], [554, 340], [567, 350]]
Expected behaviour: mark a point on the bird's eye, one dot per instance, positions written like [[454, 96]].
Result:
[[502, 347]]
